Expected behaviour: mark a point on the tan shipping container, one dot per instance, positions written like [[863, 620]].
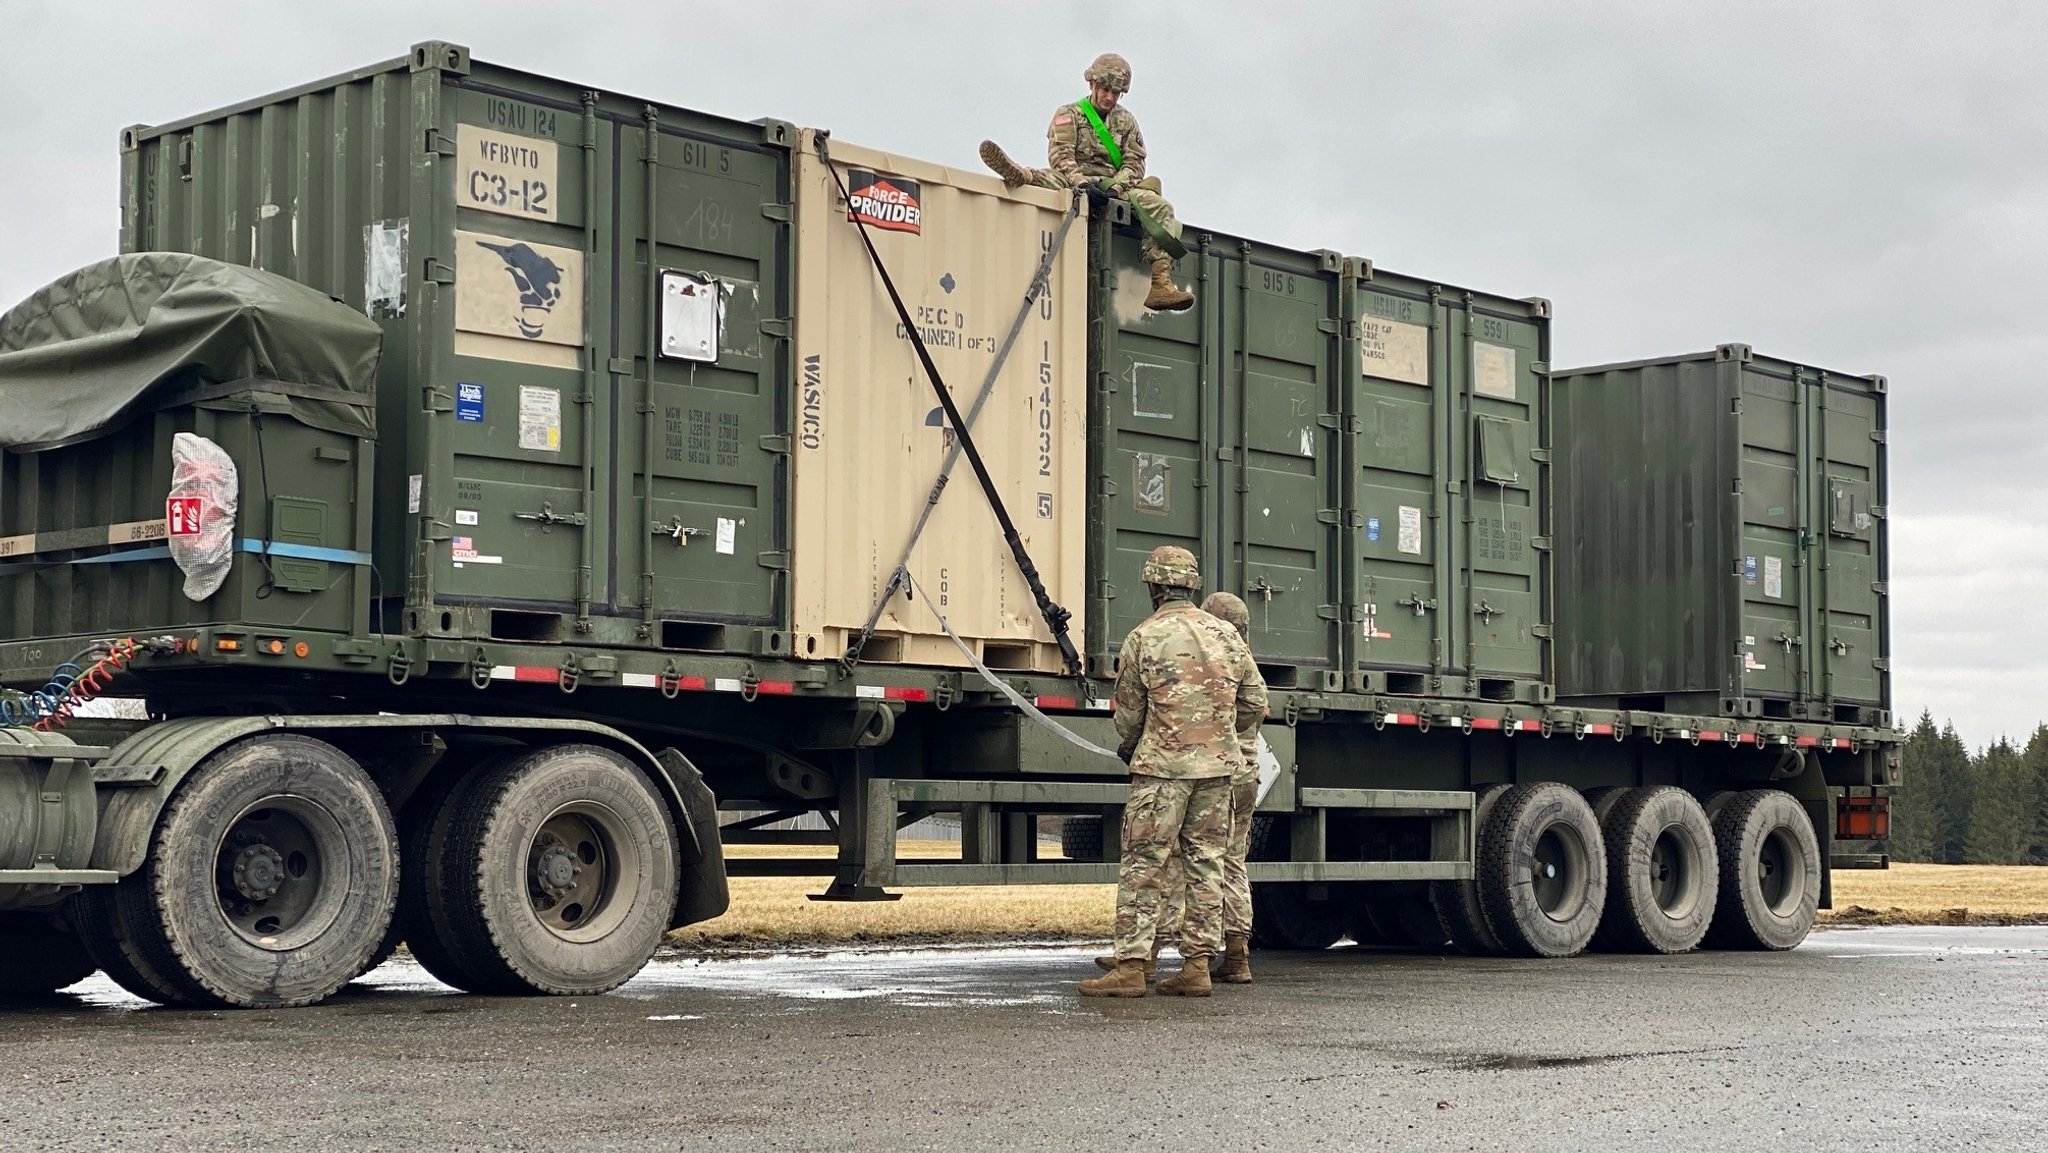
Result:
[[870, 437]]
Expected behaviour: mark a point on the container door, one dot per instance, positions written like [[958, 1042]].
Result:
[[702, 427], [519, 432], [1281, 319], [1399, 455], [1155, 461], [1850, 453], [1497, 364], [1772, 562]]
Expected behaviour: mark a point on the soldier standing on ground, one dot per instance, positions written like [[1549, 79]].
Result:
[[1244, 796], [1186, 688], [1095, 140]]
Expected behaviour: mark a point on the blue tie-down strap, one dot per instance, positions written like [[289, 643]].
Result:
[[246, 544]]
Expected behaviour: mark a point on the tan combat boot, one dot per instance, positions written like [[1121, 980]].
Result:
[[1166, 296], [1237, 959], [1191, 981], [1151, 962], [999, 162], [1126, 980]]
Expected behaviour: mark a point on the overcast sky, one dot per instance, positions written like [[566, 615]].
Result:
[[1861, 186]]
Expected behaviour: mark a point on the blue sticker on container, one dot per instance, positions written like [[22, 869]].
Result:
[[469, 403], [1749, 570], [1372, 528]]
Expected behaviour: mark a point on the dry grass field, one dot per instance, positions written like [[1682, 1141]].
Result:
[[774, 912]]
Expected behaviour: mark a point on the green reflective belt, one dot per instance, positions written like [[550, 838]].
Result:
[[1116, 155]]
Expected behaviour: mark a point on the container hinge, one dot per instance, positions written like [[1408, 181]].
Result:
[[1330, 326], [1330, 612], [619, 366], [437, 144], [1881, 664], [1540, 455], [776, 443], [549, 518], [776, 212], [1735, 407], [775, 326], [1334, 421], [1881, 588], [775, 560], [1878, 435], [1540, 543], [1543, 631], [1330, 515], [439, 273], [1106, 382], [1878, 512]]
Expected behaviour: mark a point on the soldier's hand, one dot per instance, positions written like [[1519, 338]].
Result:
[[1096, 193]]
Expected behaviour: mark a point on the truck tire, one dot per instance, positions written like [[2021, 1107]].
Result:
[[1770, 872], [271, 878], [1081, 838], [111, 942], [1542, 871], [1663, 873], [423, 920], [1283, 916], [1405, 916], [562, 868], [37, 958], [1457, 902]]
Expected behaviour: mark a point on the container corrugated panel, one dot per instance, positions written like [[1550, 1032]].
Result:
[[1449, 571], [1722, 517], [552, 468], [67, 512], [1217, 429], [871, 437]]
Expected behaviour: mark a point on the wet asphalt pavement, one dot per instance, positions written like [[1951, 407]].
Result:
[[1920, 1039]]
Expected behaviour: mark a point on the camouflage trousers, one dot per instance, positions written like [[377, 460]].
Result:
[[1170, 819], [1237, 881], [1143, 195]]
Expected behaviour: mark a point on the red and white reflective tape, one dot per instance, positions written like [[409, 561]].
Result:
[[531, 674], [1401, 719], [1840, 743]]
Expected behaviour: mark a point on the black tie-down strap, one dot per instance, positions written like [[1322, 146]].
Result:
[[1056, 617]]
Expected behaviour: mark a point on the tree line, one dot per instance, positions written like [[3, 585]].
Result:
[[1956, 808]]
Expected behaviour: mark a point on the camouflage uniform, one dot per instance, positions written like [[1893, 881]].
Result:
[[1186, 688], [1244, 796]]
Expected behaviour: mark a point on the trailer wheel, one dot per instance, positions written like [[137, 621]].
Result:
[[1283, 916], [1457, 902], [1542, 871], [423, 920], [271, 879], [562, 869], [37, 958], [1770, 872], [1081, 838], [1663, 874], [1404, 915]]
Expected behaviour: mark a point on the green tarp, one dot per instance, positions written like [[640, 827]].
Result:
[[152, 329]]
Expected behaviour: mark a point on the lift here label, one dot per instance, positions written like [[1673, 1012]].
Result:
[[506, 173]]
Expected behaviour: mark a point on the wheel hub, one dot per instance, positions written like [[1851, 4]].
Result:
[[555, 867], [259, 872]]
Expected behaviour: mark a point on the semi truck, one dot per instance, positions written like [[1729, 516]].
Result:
[[502, 495]]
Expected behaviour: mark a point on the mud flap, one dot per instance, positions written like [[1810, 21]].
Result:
[[701, 889]]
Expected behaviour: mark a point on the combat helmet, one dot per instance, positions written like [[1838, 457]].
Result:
[[1230, 609], [1173, 567], [1111, 71]]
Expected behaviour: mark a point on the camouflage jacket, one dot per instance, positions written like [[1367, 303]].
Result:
[[1073, 149], [1186, 689]]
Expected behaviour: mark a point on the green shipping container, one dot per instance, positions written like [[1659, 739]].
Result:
[[1356, 454], [546, 454], [1722, 517]]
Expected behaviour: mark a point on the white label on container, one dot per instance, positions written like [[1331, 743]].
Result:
[[384, 268], [1774, 576], [503, 173], [1410, 539], [1392, 350], [727, 530], [529, 294], [1493, 370], [465, 516], [540, 418], [691, 308], [412, 492]]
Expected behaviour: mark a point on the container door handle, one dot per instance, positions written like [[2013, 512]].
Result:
[[1486, 612], [676, 530], [549, 518], [1416, 602]]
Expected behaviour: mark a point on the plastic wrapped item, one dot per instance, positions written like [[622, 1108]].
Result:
[[199, 516]]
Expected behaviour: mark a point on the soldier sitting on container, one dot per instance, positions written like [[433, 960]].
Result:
[[1095, 141]]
